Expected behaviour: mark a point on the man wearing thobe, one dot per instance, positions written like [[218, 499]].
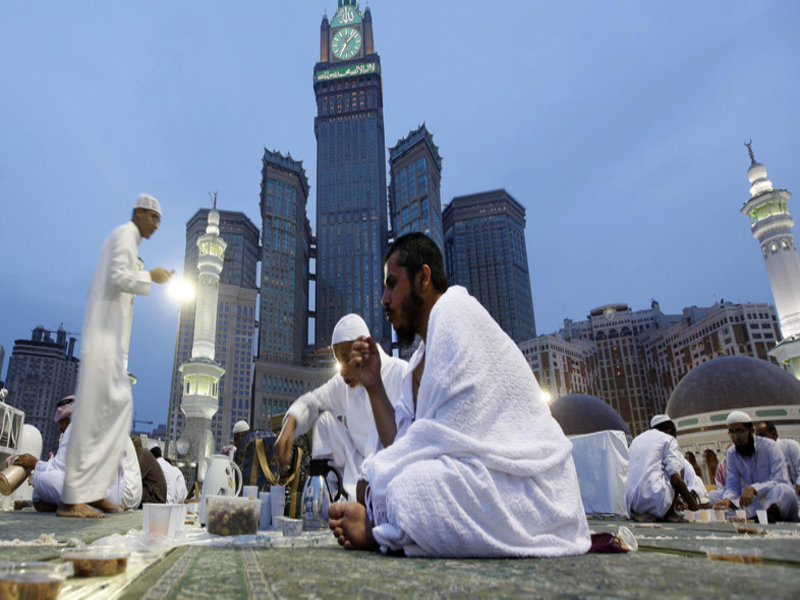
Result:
[[346, 446], [478, 466], [791, 450], [102, 417], [757, 476], [176, 482], [154, 482], [655, 474]]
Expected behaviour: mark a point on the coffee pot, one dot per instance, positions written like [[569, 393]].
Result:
[[317, 495], [219, 480]]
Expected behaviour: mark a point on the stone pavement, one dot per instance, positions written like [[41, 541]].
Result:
[[671, 563]]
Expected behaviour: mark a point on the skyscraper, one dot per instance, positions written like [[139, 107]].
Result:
[[235, 323], [484, 243], [415, 169], [41, 371], [352, 224], [771, 224]]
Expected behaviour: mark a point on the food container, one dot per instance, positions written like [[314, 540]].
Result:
[[291, 527], [231, 515], [96, 562], [749, 556], [33, 580]]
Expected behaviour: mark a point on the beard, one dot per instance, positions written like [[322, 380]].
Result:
[[747, 450], [410, 310]]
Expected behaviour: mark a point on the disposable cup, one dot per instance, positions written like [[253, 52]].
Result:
[[265, 520], [705, 515], [156, 519], [277, 501], [250, 491], [719, 515], [762, 516], [690, 515], [741, 515]]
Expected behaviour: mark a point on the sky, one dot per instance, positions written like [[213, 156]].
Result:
[[618, 125]]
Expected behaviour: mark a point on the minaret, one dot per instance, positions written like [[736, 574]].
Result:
[[771, 224], [201, 374]]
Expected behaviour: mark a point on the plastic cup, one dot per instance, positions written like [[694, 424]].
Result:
[[705, 515], [719, 515], [741, 515], [265, 519], [762, 516], [250, 491], [156, 519], [277, 501]]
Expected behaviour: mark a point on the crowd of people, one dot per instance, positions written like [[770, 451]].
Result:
[[453, 453]]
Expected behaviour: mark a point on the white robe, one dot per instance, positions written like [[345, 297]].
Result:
[[346, 446], [132, 494], [176, 483], [481, 468], [654, 458], [103, 403], [791, 450], [694, 483]]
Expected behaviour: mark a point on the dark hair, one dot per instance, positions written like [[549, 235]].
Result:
[[156, 450], [667, 427], [770, 427], [415, 250]]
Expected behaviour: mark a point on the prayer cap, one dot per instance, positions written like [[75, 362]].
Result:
[[64, 408], [738, 416], [349, 328], [147, 202], [241, 427], [659, 419]]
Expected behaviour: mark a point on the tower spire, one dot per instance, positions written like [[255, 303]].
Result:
[[749, 144]]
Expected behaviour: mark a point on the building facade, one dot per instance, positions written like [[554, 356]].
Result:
[[235, 324], [415, 174], [633, 360], [485, 251], [41, 371], [352, 222]]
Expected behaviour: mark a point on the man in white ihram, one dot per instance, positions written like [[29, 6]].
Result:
[[102, 416], [346, 447]]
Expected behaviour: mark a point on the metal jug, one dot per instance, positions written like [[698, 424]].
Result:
[[317, 495]]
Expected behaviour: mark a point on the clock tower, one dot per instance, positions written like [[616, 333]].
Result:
[[352, 224]]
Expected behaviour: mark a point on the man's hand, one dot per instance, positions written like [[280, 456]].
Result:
[[748, 494], [365, 362], [283, 445], [26, 461], [723, 504], [797, 489], [159, 275]]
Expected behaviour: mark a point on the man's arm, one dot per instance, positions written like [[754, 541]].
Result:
[[366, 362], [680, 487]]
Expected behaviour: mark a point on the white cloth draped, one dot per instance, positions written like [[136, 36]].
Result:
[[483, 469], [103, 404]]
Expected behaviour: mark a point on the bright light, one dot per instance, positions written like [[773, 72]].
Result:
[[180, 290], [547, 396]]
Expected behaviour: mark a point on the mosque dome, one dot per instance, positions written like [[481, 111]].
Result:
[[580, 413], [732, 382]]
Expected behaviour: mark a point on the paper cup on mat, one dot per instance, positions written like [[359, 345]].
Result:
[[265, 519], [762, 516], [250, 491], [277, 501]]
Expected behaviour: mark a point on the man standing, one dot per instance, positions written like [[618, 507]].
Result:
[[346, 446], [655, 474], [757, 476], [478, 466], [791, 450], [104, 407]]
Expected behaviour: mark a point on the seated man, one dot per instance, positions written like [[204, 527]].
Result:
[[695, 485], [154, 484], [478, 466], [176, 482], [48, 476], [655, 474], [791, 450], [345, 446], [757, 476]]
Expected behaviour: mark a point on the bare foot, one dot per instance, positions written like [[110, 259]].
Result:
[[351, 527], [83, 511], [42, 506], [106, 505]]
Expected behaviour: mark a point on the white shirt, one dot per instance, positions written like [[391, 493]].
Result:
[[654, 458], [176, 484], [792, 451]]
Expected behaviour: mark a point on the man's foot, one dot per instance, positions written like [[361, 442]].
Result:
[[643, 517], [351, 527], [20, 504], [673, 516], [83, 511], [42, 506], [106, 506]]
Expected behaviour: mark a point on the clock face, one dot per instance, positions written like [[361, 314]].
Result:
[[346, 43]]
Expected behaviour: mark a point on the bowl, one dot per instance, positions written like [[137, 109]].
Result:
[[96, 562], [33, 580], [231, 515], [291, 527], [748, 556]]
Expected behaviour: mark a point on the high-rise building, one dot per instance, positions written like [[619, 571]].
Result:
[[485, 251], [41, 371], [771, 224], [415, 170], [634, 359], [352, 223], [235, 323]]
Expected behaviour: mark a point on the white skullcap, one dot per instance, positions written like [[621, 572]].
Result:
[[738, 416], [147, 202], [659, 419], [349, 328], [241, 427]]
